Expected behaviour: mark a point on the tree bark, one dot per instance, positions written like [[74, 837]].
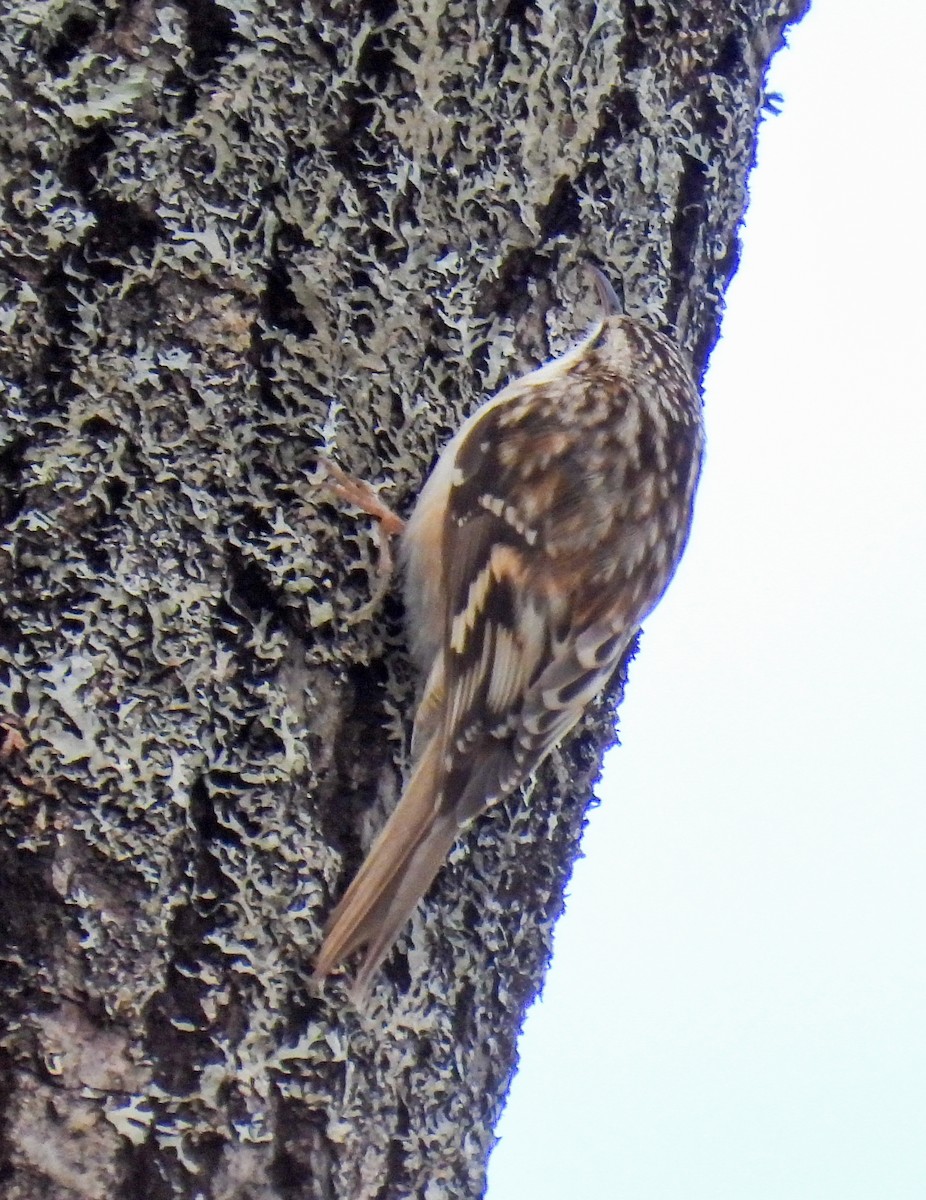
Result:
[[236, 236]]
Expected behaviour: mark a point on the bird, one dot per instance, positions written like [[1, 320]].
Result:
[[547, 531]]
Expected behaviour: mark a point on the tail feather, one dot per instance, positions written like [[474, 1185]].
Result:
[[397, 872]]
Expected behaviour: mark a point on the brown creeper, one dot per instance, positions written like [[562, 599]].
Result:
[[547, 531]]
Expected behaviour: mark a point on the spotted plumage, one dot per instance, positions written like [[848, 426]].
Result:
[[549, 528]]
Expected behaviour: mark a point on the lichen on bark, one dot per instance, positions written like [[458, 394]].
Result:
[[238, 235]]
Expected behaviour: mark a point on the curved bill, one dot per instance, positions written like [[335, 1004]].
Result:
[[606, 293]]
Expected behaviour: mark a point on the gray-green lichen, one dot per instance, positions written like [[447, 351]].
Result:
[[238, 235]]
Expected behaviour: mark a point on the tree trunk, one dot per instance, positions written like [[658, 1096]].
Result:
[[237, 236]]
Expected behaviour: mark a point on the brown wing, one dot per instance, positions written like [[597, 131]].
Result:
[[520, 662]]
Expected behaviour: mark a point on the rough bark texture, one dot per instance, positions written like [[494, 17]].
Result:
[[235, 235]]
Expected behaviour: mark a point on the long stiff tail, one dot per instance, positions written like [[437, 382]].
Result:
[[397, 872]]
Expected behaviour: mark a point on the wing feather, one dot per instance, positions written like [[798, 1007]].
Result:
[[520, 662]]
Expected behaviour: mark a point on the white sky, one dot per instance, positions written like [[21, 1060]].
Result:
[[737, 1004]]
